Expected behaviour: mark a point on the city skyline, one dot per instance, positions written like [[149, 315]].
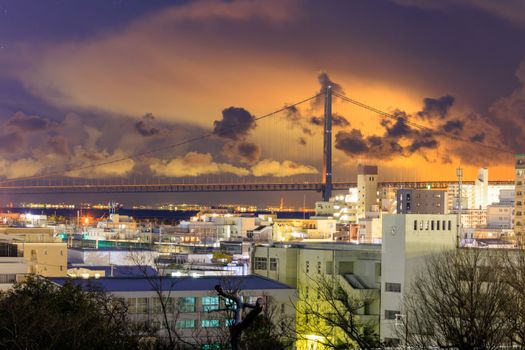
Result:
[[103, 81]]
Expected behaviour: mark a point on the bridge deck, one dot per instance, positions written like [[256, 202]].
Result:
[[231, 187]]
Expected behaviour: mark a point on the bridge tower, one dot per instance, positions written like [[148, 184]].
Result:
[[327, 149]]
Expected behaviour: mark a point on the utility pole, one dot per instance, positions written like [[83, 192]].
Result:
[[459, 174], [327, 150]]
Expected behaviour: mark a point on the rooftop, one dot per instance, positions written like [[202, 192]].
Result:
[[136, 284], [118, 270]]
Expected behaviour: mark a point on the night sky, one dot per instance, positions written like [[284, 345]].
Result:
[[83, 82]]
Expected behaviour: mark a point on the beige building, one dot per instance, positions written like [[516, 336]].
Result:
[[367, 192], [317, 228], [45, 254]]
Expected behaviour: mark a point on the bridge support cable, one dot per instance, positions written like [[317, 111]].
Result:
[[420, 126], [206, 135]]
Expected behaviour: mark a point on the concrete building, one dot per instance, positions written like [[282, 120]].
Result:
[[370, 230], [367, 192], [412, 201], [506, 196], [473, 218], [356, 267], [407, 239], [519, 197], [195, 313], [12, 264], [317, 228], [500, 216], [481, 189], [479, 195], [45, 254], [112, 256]]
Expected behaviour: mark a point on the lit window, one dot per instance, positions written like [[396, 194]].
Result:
[[185, 324], [210, 323], [187, 304], [210, 303]]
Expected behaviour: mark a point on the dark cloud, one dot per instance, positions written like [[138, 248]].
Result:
[[340, 121], [454, 126], [29, 123], [145, 127], [436, 107], [478, 137], [351, 142], [308, 131], [317, 120], [337, 121], [423, 140], [399, 128], [236, 123], [293, 114], [325, 81], [396, 134], [244, 151], [249, 152]]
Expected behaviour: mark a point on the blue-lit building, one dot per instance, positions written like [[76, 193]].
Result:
[[195, 312]]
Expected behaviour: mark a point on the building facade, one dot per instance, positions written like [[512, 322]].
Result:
[[195, 311], [407, 239], [412, 201], [519, 197]]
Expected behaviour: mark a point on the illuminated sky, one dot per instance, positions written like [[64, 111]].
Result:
[[86, 82]]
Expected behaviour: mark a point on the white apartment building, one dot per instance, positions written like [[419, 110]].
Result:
[[12, 263], [407, 239], [479, 195]]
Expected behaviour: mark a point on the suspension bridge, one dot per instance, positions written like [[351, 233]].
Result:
[[60, 182]]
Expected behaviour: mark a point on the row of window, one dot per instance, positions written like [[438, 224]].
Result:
[[190, 324], [184, 304], [433, 225], [260, 263]]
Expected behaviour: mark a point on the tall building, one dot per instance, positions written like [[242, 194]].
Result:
[[356, 268], [407, 240], [519, 197], [481, 188], [411, 201], [367, 189]]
